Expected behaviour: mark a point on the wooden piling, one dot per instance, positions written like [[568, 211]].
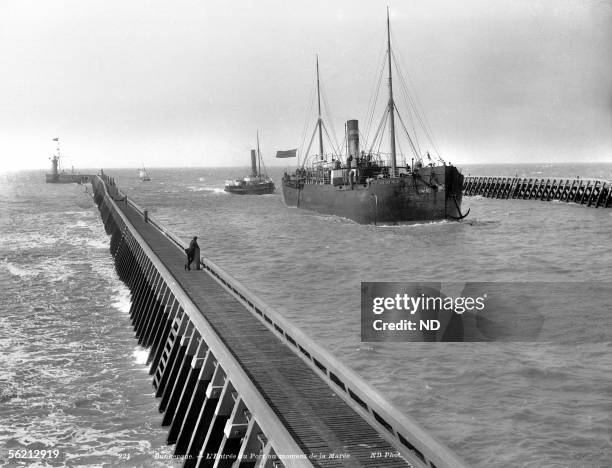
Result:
[[588, 192], [183, 430]]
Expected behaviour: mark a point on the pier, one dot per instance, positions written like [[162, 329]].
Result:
[[589, 192], [68, 178], [238, 384]]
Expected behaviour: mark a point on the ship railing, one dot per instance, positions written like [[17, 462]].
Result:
[[404, 433]]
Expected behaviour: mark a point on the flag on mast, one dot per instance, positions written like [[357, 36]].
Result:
[[286, 154]]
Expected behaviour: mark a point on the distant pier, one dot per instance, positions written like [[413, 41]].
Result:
[[589, 192], [238, 384], [68, 178]]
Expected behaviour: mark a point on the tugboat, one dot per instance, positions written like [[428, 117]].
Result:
[[143, 174], [257, 183], [58, 176], [370, 187]]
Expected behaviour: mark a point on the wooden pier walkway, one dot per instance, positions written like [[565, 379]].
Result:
[[589, 192], [239, 385]]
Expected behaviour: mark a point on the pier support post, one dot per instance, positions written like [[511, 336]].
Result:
[[131, 262], [136, 258], [160, 342], [215, 435], [205, 418], [175, 346], [179, 400], [149, 303], [250, 445], [196, 402], [180, 367], [141, 292], [158, 304], [233, 433], [602, 191], [159, 315]]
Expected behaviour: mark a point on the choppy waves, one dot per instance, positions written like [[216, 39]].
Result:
[[496, 405], [74, 379], [218, 190], [69, 379]]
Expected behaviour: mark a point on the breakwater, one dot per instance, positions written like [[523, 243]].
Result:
[[238, 384], [68, 178], [589, 192]]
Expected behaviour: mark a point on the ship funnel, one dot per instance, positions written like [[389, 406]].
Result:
[[54, 164], [352, 132], [253, 162]]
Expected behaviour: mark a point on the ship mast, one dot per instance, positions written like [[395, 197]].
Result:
[[258, 156], [320, 121], [391, 106], [56, 158]]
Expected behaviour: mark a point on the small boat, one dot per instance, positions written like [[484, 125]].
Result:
[[257, 183], [143, 174]]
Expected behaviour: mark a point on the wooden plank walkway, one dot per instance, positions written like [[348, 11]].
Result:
[[319, 420]]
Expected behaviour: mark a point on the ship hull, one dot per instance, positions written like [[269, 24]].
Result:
[[434, 194], [256, 189]]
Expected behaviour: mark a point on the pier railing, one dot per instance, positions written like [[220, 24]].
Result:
[[589, 192], [183, 332], [183, 327], [403, 432]]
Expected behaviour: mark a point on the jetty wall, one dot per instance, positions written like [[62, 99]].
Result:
[[589, 192], [68, 178], [238, 384]]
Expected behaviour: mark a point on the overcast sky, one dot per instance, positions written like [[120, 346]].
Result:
[[188, 83]]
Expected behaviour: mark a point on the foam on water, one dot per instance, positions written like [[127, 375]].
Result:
[[73, 378], [17, 271], [206, 188], [140, 356], [409, 225], [26, 240], [66, 365], [86, 213], [121, 299], [97, 243]]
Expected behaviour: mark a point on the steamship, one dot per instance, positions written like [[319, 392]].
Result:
[[370, 187], [257, 183]]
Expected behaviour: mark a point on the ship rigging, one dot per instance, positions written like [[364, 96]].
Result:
[[369, 186], [394, 157]]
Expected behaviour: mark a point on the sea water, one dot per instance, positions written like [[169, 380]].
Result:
[[73, 379]]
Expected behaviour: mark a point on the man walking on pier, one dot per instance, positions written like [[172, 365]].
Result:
[[192, 252]]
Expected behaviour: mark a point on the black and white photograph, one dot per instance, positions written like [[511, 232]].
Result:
[[286, 234]]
